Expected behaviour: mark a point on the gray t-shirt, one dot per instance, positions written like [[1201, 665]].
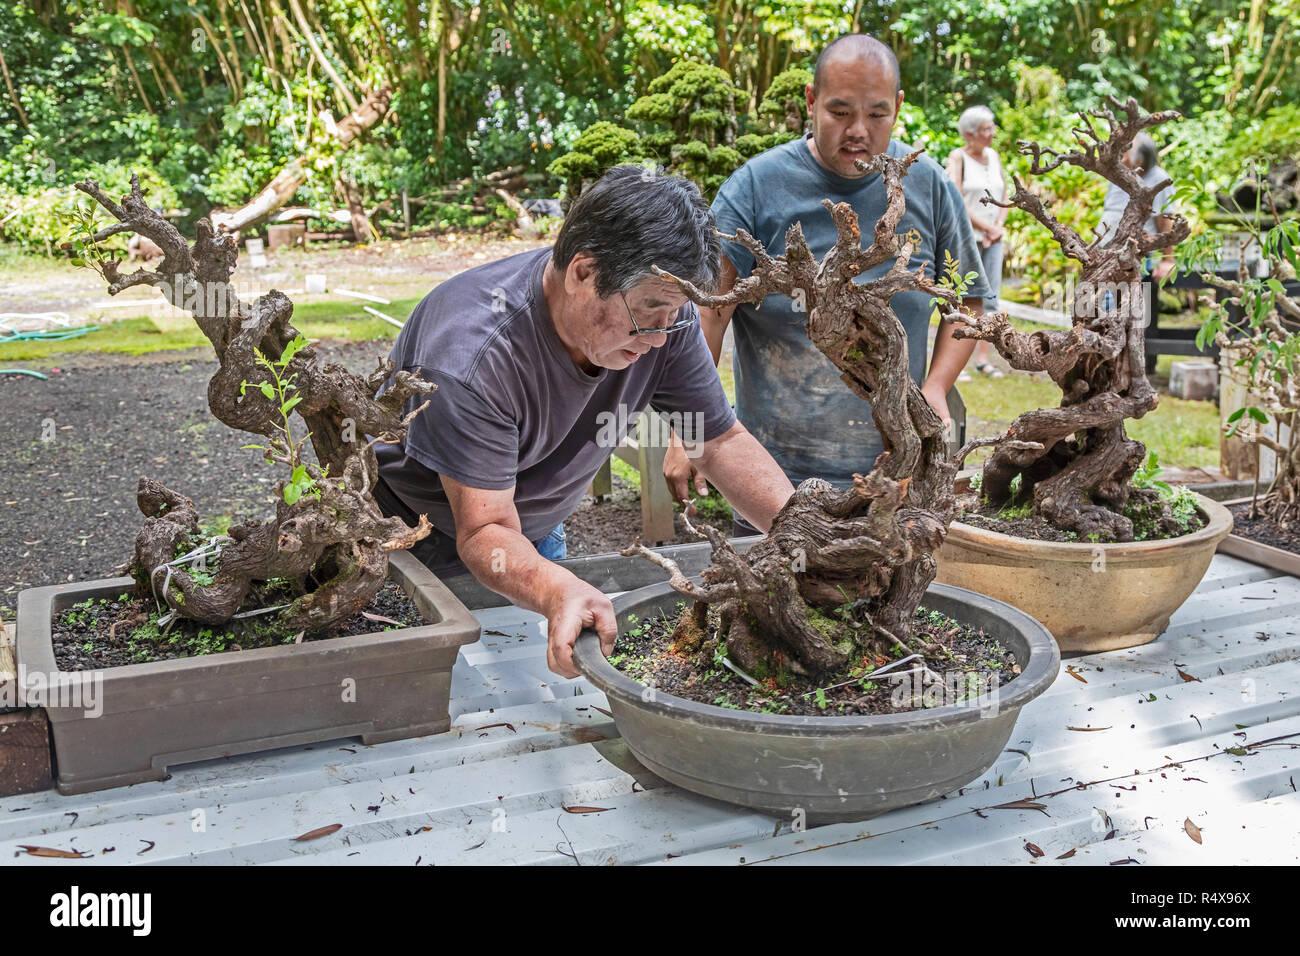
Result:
[[787, 392], [1117, 202], [513, 408]]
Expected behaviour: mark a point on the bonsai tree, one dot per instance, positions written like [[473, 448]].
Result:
[[597, 148], [328, 538], [1075, 462], [784, 108], [694, 107], [689, 124], [871, 545], [1259, 321]]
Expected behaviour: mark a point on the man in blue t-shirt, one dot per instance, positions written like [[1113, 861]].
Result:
[[788, 394], [542, 361]]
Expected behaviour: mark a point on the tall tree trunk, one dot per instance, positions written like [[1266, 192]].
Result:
[[295, 172]]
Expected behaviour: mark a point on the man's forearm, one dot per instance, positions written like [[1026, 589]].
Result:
[[748, 477], [951, 354], [505, 561]]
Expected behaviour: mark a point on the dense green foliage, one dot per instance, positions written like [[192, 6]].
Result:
[[215, 96]]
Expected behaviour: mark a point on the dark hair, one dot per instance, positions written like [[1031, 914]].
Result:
[[1147, 154], [634, 217], [860, 45]]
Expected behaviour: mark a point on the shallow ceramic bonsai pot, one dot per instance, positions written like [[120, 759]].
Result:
[[140, 719], [1256, 552], [1092, 597], [827, 768]]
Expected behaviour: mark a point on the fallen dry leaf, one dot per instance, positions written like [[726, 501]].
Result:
[[602, 710], [510, 727], [1187, 678], [1025, 804], [380, 618], [318, 833], [1192, 829], [1075, 674], [586, 809], [1087, 729], [1066, 855], [51, 852], [1034, 850]]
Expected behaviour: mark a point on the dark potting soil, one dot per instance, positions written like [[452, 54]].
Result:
[[969, 664], [1264, 530], [982, 514], [111, 632]]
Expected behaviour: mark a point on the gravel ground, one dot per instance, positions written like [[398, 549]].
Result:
[[78, 443]]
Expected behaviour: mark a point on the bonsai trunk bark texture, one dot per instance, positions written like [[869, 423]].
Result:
[[868, 547], [1077, 460], [332, 548]]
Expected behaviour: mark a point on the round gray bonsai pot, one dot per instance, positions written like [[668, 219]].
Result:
[[825, 769]]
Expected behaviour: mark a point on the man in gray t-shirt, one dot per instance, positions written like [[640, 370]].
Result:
[[543, 361], [788, 394]]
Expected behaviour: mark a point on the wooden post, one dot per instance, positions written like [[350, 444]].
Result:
[[1237, 460], [657, 518], [406, 212], [603, 484]]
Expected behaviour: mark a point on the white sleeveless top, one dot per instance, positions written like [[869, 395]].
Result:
[[976, 178]]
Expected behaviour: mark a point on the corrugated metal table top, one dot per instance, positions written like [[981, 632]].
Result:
[[1202, 725]]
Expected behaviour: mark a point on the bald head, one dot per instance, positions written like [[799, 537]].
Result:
[[855, 47]]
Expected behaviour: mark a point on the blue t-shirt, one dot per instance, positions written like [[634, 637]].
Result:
[[513, 408], [788, 394]]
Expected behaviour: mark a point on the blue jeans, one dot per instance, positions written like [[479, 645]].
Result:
[[554, 546]]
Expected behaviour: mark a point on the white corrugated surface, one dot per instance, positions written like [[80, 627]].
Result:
[[488, 793]]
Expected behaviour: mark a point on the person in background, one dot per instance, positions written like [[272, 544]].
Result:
[[977, 171], [788, 394], [1142, 154]]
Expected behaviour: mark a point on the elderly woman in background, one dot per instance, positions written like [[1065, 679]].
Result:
[[977, 170]]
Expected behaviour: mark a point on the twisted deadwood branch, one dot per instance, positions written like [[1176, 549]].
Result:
[[869, 545], [1076, 460], [333, 549]]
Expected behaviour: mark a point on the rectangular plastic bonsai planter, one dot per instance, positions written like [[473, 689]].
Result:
[[382, 686]]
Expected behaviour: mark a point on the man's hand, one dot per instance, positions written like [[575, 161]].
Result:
[[1163, 268], [679, 472], [578, 605], [938, 400]]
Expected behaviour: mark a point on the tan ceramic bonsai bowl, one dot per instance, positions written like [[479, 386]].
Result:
[[1092, 597]]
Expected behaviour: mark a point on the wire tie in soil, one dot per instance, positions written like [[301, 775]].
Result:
[[872, 676], [738, 672], [261, 610]]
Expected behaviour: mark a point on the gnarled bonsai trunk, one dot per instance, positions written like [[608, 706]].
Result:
[[868, 546], [1077, 460], [332, 549]]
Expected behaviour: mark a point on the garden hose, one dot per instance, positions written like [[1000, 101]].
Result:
[[23, 371]]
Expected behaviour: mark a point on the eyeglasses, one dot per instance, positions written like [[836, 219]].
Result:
[[637, 330]]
